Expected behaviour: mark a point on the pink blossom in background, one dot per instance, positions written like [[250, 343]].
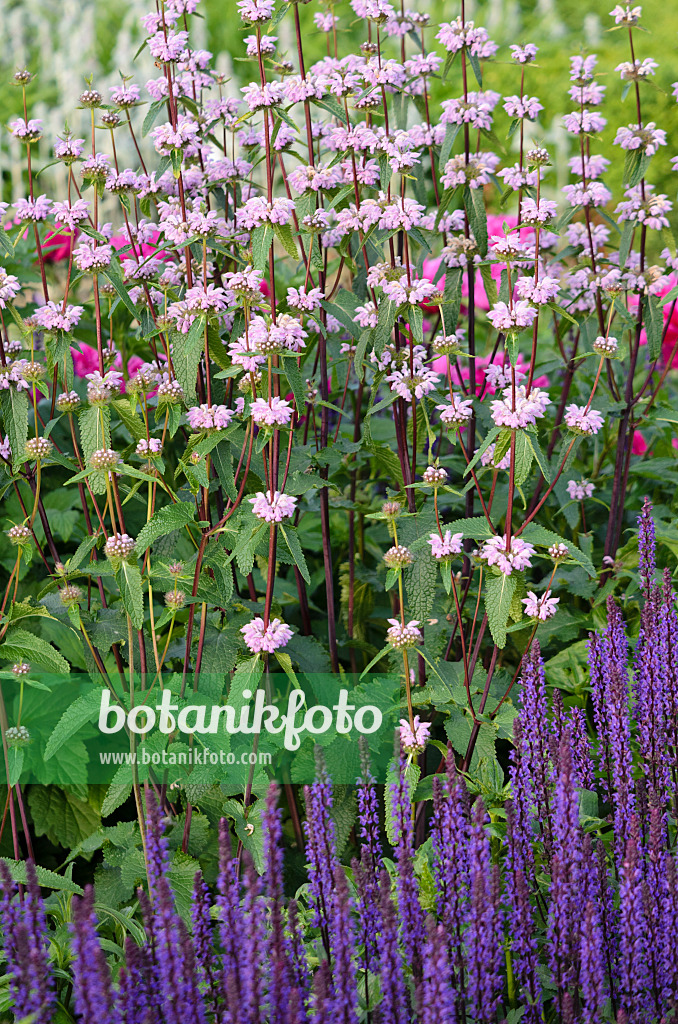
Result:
[[59, 245], [87, 361], [145, 249], [495, 226], [440, 365]]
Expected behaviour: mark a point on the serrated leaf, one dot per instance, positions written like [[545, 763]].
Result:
[[83, 710], [654, 325], [164, 521], [452, 300], [476, 528], [474, 203], [114, 274], [152, 115], [538, 535], [296, 382], [499, 591], [133, 422], [128, 578], [625, 242], [382, 332], [47, 879], [22, 645], [95, 434], [284, 235], [82, 551], [292, 538], [14, 407], [524, 457], [451, 132], [186, 352], [261, 243]]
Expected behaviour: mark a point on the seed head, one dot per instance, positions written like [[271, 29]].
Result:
[[38, 448], [18, 534], [435, 475], [398, 557], [105, 458], [90, 98], [70, 595], [17, 736], [175, 599], [119, 545]]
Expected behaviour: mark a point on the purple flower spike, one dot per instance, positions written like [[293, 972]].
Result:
[[484, 924], [92, 987], [394, 1005]]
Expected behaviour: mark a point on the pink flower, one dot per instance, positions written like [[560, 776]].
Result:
[[495, 226], [273, 511], [447, 545], [580, 420], [414, 740], [517, 557], [276, 413], [540, 607], [580, 489], [259, 637]]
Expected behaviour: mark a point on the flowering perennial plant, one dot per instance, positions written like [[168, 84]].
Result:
[[333, 378]]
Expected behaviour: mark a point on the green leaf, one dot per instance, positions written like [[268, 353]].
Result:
[[246, 677], [296, 382], [343, 308], [625, 242], [82, 551], [95, 434], [474, 203], [20, 644], [62, 816], [563, 312], [152, 115], [489, 283], [388, 311], [164, 521], [261, 243], [187, 350], [14, 407], [114, 274], [128, 579], [292, 538], [541, 537], [524, 457], [222, 459], [451, 133], [475, 64], [540, 456], [635, 166], [47, 879], [476, 528], [15, 763], [499, 591], [452, 300], [654, 325], [83, 710], [284, 235], [134, 423]]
